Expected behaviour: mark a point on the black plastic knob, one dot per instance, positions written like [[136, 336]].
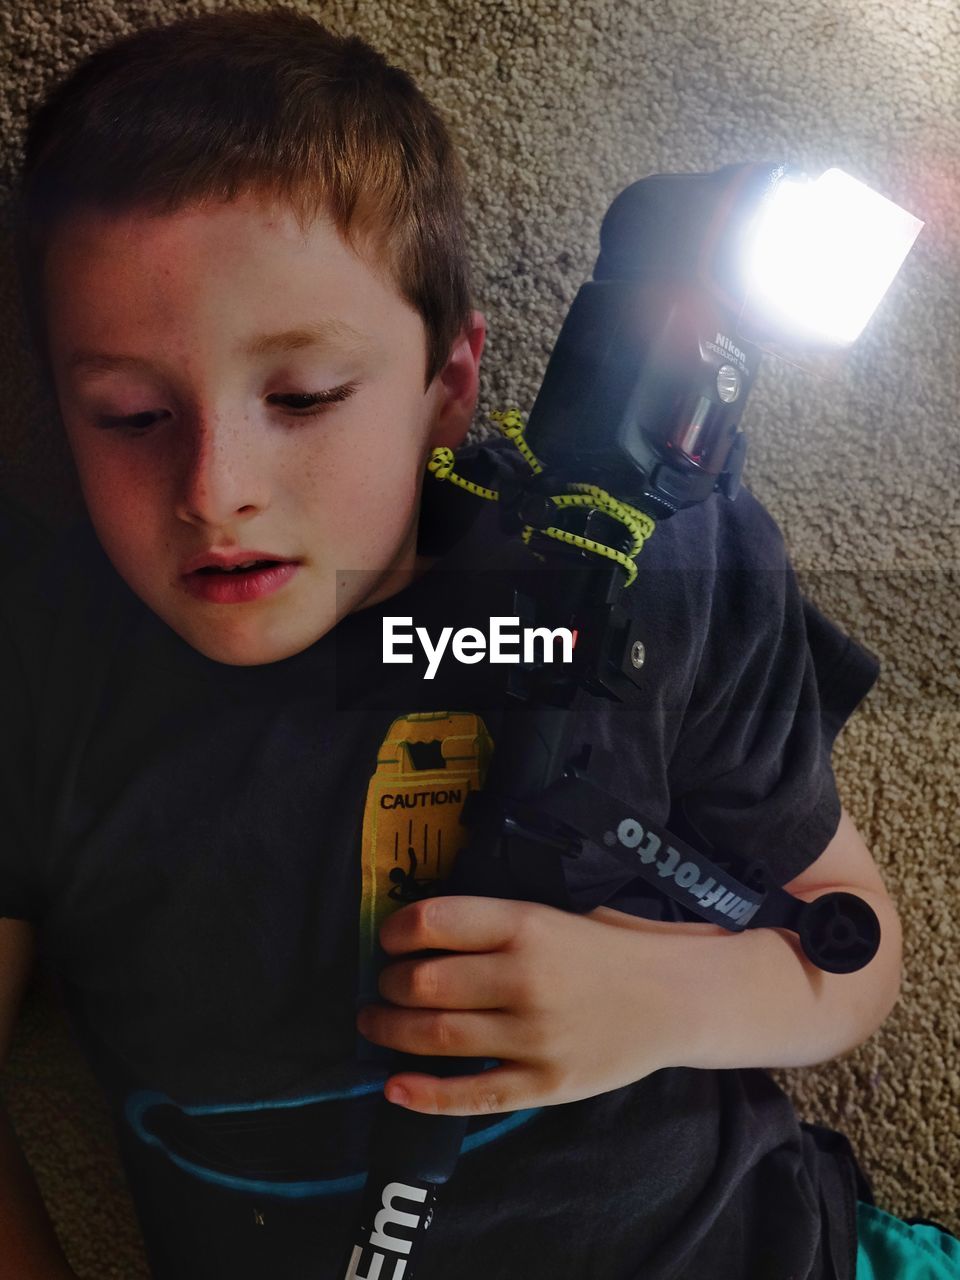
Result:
[[839, 932]]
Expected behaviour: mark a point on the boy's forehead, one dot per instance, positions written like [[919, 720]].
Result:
[[245, 235], [326, 333], [230, 224]]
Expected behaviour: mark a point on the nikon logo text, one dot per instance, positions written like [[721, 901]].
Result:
[[506, 642], [384, 1246], [730, 347]]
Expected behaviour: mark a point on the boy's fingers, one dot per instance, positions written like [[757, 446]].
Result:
[[438, 1033], [454, 923], [452, 982], [506, 1088]]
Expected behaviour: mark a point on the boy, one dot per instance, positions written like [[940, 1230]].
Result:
[[243, 258]]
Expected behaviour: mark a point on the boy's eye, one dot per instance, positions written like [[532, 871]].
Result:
[[306, 404], [303, 404], [134, 422]]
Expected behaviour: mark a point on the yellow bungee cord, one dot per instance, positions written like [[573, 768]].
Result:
[[637, 523]]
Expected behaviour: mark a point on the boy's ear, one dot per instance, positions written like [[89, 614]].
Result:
[[458, 385]]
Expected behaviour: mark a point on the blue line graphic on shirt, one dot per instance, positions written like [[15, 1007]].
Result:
[[232, 1135], [411, 835]]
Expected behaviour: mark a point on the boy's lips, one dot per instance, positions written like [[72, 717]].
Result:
[[228, 559], [242, 585]]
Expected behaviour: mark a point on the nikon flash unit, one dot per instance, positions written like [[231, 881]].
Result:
[[698, 275]]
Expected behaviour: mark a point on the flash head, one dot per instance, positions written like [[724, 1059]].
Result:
[[647, 383]]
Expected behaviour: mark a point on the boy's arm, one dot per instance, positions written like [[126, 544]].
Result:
[[752, 999], [577, 1005], [29, 1248]]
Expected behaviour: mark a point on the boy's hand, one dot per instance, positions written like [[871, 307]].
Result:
[[571, 1005]]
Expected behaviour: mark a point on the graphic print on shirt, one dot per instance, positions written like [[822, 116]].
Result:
[[316, 1145], [427, 764]]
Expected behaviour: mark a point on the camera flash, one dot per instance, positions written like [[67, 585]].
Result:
[[821, 255]]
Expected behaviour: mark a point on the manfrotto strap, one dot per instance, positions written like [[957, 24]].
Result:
[[641, 848], [579, 847]]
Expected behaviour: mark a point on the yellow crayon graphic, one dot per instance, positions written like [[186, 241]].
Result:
[[426, 766]]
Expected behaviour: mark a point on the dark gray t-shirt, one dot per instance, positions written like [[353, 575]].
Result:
[[189, 839]]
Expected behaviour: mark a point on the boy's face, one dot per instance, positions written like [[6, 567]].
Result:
[[185, 350]]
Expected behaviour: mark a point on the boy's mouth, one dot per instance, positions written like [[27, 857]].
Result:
[[239, 568], [235, 563], [236, 577]]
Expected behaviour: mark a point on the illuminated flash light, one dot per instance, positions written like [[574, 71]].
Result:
[[821, 256]]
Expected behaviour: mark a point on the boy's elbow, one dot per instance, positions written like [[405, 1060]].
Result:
[[847, 866], [880, 981], [891, 942]]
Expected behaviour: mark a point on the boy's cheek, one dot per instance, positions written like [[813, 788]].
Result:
[[111, 479]]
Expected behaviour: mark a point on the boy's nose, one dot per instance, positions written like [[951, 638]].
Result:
[[222, 476]]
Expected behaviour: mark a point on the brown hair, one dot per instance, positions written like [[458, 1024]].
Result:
[[273, 102]]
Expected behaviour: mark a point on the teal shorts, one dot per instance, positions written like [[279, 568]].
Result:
[[890, 1249]]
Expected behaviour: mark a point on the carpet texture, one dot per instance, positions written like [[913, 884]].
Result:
[[557, 106]]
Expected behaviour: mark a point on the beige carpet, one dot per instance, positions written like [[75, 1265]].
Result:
[[558, 106]]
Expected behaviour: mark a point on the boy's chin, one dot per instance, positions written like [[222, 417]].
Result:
[[244, 643]]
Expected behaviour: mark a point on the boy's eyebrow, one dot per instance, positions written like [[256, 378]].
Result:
[[321, 333], [328, 332]]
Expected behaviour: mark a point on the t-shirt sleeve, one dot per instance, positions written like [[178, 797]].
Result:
[[751, 774], [19, 891]]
